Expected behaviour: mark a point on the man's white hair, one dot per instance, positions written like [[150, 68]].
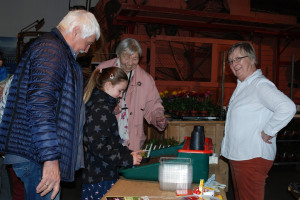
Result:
[[85, 20]]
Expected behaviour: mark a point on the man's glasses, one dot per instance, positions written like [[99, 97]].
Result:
[[236, 60]]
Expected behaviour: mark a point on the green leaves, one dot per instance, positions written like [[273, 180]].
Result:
[[158, 144]]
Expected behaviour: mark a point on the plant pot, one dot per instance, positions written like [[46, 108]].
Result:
[[203, 113], [194, 113]]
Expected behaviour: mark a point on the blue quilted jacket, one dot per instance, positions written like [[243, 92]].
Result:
[[41, 120]]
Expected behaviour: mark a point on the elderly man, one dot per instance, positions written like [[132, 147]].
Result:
[[41, 126]]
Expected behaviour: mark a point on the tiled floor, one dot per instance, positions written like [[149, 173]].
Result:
[[276, 187]]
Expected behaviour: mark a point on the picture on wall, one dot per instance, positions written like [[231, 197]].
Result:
[[8, 47]]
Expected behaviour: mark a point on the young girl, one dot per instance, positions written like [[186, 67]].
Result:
[[104, 152]]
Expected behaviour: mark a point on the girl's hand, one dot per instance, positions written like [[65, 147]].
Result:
[[137, 157], [117, 110]]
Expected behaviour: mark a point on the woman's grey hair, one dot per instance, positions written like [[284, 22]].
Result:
[[85, 20], [245, 47], [130, 46]]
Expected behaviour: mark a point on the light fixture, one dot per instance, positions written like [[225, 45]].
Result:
[[36, 24], [27, 33]]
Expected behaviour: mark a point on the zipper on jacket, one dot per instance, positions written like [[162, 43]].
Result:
[[16, 103]]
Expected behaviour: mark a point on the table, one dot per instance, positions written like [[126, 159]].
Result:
[[128, 187]]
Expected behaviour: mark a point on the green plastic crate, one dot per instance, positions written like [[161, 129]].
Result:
[[200, 162], [145, 172], [150, 171], [200, 159]]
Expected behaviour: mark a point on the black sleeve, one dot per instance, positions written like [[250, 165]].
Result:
[[103, 138]]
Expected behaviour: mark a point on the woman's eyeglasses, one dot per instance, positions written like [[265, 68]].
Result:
[[236, 60]]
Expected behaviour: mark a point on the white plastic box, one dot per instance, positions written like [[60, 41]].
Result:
[[175, 173]]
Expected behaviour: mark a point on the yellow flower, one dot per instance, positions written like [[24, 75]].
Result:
[[174, 92], [161, 94]]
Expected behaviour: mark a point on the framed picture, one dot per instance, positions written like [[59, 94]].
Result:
[[8, 47]]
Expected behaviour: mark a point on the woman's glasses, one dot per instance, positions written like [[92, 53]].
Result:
[[236, 60]]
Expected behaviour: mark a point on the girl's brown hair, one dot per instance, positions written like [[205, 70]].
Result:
[[99, 77]]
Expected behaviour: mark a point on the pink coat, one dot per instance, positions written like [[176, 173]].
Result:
[[143, 101]]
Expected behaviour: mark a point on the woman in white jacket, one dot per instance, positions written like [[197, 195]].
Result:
[[257, 111]]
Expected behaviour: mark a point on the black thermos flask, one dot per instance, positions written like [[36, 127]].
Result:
[[197, 138]]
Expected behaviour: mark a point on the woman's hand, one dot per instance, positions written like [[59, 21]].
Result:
[[266, 138], [161, 122], [137, 157]]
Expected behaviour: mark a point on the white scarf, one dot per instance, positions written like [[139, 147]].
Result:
[[123, 117]]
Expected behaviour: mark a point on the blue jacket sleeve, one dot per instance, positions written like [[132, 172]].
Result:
[[47, 77]]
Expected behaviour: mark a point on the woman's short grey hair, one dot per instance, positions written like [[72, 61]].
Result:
[[85, 20], [130, 46], [245, 47]]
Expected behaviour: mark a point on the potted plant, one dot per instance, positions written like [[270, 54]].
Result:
[[189, 103]]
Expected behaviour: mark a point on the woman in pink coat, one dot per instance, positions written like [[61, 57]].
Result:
[[140, 99]]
